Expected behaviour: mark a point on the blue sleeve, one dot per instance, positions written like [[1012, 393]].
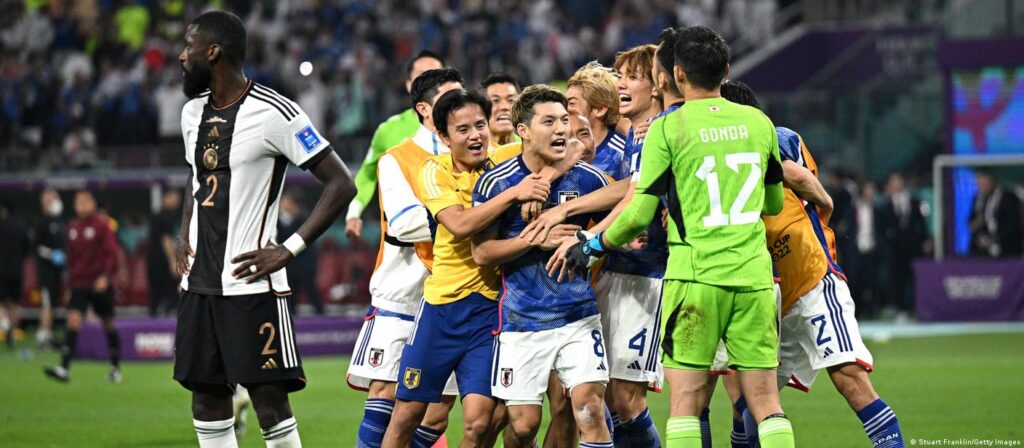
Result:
[[789, 145]]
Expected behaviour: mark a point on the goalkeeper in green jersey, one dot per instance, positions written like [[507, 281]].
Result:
[[390, 133], [717, 163]]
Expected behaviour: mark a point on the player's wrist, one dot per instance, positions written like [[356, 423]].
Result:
[[295, 244], [595, 246], [355, 210]]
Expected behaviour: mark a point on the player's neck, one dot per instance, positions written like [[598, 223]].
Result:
[[695, 94], [502, 139], [645, 115], [533, 159], [670, 99], [600, 132], [226, 89]]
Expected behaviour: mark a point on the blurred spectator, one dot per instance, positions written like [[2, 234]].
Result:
[[861, 263], [301, 270], [163, 226], [903, 235], [995, 219], [50, 261], [14, 245]]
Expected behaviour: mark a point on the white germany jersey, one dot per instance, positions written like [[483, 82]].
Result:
[[238, 155]]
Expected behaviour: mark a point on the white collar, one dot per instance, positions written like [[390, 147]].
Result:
[[429, 141]]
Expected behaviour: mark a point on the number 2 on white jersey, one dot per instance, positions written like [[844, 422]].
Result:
[[736, 214]]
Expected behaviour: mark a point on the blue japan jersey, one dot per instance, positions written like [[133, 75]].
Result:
[[610, 156], [651, 260], [531, 300]]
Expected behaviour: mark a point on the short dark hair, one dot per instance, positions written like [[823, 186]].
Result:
[[666, 56], [454, 100], [703, 55], [523, 108], [499, 78], [424, 87], [739, 93], [422, 54], [226, 30]]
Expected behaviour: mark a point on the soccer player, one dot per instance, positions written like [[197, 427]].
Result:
[[629, 286], [51, 260], [719, 167], [544, 325], [592, 93], [92, 262], [819, 330], [502, 90], [389, 134], [403, 263], [233, 325]]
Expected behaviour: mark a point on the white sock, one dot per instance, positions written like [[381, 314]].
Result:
[[283, 435], [219, 434]]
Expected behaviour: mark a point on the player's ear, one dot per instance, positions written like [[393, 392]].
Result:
[[726, 74], [523, 131], [600, 112], [213, 53], [444, 139], [423, 109], [680, 77]]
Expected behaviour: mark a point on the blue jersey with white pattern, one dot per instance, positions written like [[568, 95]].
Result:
[[610, 156], [530, 299], [650, 261]]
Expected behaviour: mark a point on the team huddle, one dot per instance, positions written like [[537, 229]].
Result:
[[650, 225]]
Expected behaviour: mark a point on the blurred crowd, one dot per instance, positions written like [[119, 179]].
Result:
[[78, 75]]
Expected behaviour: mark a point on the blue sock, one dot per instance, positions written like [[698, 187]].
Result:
[[609, 421], [749, 424], [425, 437], [376, 417], [597, 445], [881, 425], [739, 434], [705, 428], [619, 436], [641, 431]]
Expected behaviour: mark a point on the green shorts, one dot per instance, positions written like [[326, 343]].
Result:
[[695, 316]]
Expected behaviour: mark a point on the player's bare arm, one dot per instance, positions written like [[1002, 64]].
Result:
[[802, 181], [490, 251], [182, 248], [604, 199], [464, 223], [339, 190]]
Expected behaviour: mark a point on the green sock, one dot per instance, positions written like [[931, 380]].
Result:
[[682, 432], [776, 432]]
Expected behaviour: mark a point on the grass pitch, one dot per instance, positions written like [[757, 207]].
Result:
[[951, 387]]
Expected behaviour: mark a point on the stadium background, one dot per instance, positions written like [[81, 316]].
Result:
[[90, 97]]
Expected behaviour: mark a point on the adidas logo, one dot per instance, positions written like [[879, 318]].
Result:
[[828, 352], [635, 365], [601, 366], [269, 365]]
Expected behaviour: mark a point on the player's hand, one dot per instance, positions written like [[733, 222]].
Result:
[[664, 219], [532, 188], [558, 234], [557, 261], [573, 153], [261, 262], [585, 253], [639, 242], [537, 230], [530, 210], [353, 228], [640, 130], [182, 252], [101, 284]]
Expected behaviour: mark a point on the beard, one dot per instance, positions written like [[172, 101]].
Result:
[[197, 80]]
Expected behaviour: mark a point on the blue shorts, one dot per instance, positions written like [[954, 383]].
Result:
[[454, 337]]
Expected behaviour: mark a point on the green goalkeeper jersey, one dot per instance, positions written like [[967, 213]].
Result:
[[389, 134], [713, 160]]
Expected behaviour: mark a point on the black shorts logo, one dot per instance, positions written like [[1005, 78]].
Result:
[[506, 377], [376, 357], [411, 379]]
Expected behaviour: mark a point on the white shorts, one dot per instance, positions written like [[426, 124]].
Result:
[[630, 308], [820, 331], [378, 351], [523, 361], [720, 366]]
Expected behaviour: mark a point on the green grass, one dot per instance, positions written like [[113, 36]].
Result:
[[942, 387]]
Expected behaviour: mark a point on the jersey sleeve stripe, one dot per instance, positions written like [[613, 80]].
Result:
[[270, 92], [286, 115], [593, 170], [430, 180], [490, 177]]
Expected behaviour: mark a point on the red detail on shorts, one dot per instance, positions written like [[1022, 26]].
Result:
[[353, 386], [442, 442], [721, 372], [864, 365], [834, 270], [372, 315], [501, 303], [654, 387], [777, 279], [796, 384]]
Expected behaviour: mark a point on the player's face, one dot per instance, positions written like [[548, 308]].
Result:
[[428, 109], [577, 104], [548, 131], [418, 67], [579, 129], [468, 136], [502, 95], [85, 204], [636, 92], [194, 64]]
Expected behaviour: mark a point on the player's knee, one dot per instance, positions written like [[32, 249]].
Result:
[[270, 401], [524, 428], [381, 390], [211, 407], [629, 399], [589, 411], [476, 430]]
